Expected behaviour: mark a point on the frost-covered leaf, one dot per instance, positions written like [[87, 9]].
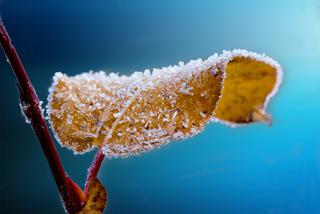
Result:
[[129, 114], [96, 198]]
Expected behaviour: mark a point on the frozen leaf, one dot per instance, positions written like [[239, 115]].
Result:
[[96, 198], [130, 114]]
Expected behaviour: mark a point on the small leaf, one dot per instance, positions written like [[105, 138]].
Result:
[[97, 198], [130, 114]]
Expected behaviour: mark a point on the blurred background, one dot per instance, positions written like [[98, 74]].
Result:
[[251, 169]]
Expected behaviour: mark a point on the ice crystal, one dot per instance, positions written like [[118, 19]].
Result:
[[24, 108]]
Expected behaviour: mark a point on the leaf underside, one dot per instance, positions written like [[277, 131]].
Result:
[[246, 87]]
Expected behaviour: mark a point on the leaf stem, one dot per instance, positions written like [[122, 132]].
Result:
[[94, 169], [31, 106]]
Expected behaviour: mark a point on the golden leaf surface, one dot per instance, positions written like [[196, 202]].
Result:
[[96, 198], [130, 114], [246, 88]]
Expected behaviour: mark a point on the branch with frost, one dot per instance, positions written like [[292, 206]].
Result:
[[126, 115], [71, 194]]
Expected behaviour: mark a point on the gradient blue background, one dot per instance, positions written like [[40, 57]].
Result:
[[253, 169]]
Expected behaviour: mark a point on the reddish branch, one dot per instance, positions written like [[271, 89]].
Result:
[[71, 194], [94, 168]]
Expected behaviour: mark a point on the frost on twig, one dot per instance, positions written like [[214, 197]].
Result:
[[31, 108], [127, 115]]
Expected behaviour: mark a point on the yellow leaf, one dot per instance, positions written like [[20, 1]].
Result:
[[130, 114], [97, 198]]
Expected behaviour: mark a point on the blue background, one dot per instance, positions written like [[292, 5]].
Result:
[[252, 169]]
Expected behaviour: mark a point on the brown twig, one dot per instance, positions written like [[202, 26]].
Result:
[[71, 194], [94, 169]]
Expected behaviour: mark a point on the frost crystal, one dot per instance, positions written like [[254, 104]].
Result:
[[24, 109]]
